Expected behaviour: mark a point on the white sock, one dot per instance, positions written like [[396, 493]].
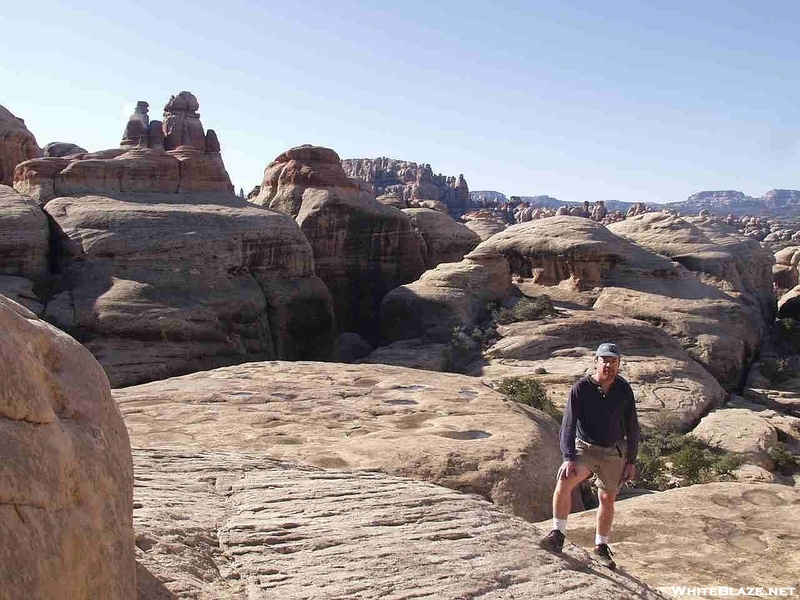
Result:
[[560, 524], [600, 539]]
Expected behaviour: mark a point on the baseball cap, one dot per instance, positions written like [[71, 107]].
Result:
[[608, 349]]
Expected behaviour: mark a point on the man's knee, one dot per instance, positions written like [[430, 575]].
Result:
[[606, 497]]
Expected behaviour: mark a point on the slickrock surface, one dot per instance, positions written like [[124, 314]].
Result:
[[739, 430], [155, 290], [715, 534], [717, 328], [445, 428], [667, 382], [17, 145], [24, 248], [444, 240], [452, 294], [66, 476], [239, 526], [789, 304], [362, 248], [486, 228], [783, 397]]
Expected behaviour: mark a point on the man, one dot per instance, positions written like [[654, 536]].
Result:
[[600, 434]]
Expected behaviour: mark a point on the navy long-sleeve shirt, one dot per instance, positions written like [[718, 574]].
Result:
[[598, 418]]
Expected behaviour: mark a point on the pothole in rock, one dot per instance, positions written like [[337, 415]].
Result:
[[401, 402], [470, 434]]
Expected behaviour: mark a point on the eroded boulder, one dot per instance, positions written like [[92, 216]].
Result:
[[362, 248], [66, 476], [17, 145], [444, 239], [155, 290]]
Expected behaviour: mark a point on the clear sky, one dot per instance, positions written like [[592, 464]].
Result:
[[578, 100]]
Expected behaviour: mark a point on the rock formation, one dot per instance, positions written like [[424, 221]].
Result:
[[259, 528], [442, 239], [63, 150], [443, 428], [717, 534], [451, 295], [362, 248], [66, 477], [719, 328], [17, 145], [410, 181], [668, 385], [24, 251], [159, 269], [177, 157], [160, 289]]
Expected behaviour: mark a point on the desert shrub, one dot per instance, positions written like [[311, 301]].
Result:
[[529, 392], [788, 334], [461, 350], [690, 461], [526, 309], [783, 460], [776, 370]]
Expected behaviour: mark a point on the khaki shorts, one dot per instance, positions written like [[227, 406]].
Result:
[[607, 464]]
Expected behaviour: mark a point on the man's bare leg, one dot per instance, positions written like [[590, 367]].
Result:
[[562, 497], [605, 513]]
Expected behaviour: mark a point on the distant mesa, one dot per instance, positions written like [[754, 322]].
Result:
[[410, 181]]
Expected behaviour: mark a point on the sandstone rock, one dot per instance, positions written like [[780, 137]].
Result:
[[393, 199], [352, 347], [66, 477], [787, 426], [445, 240], [362, 248], [666, 539], [789, 304], [191, 164], [159, 289], [436, 205], [17, 145], [741, 431], [785, 277], [444, 428], [234, 525], [789, 256], [137, 130], [63, 150], [668, 385], [182, 126], [24, 236], [718, 329], [414, 353], [452, 294], [780, 396], [486, 228], [410, 180]]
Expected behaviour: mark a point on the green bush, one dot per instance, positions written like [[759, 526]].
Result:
[[461, 350], [776, 370], [526, 309], [788, 334], [783, 460], [691, 461], [529, 392]]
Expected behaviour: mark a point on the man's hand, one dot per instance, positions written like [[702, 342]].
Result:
[[567, 469], [629, 473]]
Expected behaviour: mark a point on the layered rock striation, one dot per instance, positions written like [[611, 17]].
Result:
[[362, 248], [173, 157], [158, 268]]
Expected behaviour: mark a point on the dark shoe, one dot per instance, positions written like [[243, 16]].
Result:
[[603, 555], [553, 541]]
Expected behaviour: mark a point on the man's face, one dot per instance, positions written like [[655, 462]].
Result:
[[607, 368]]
